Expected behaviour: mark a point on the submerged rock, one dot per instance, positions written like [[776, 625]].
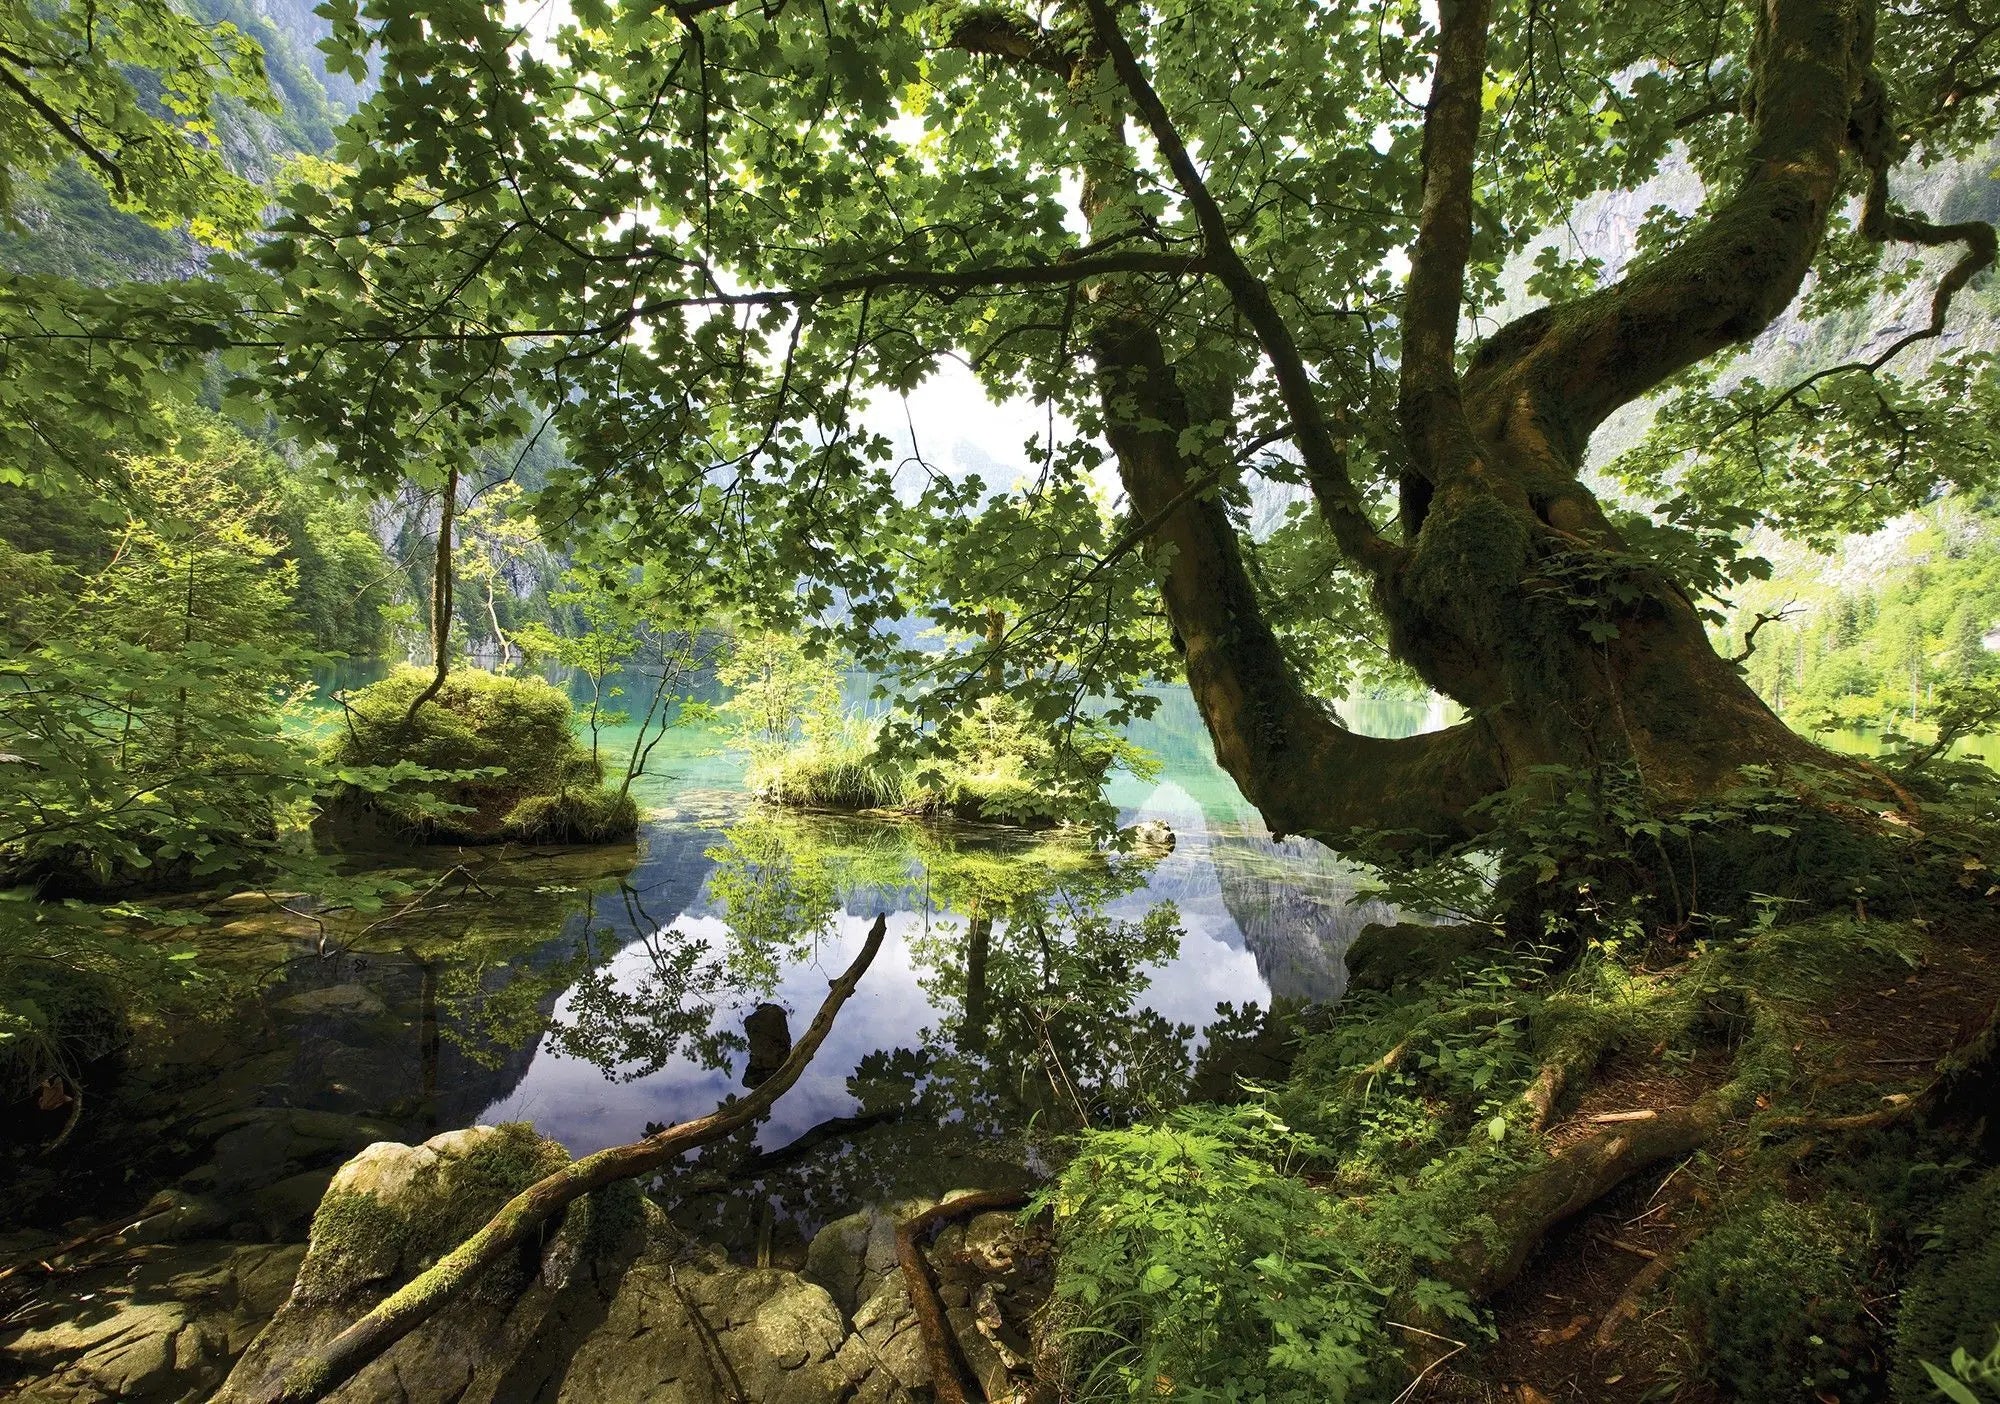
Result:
[[770, 1039]]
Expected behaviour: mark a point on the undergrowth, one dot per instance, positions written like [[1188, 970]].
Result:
[[1313, 1243]]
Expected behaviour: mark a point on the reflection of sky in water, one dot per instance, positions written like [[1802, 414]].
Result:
[[1257, 919], [1260, 918]]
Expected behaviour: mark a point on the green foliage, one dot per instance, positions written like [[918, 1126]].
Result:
[[573, 816], [1774, 1295], [71, 90], [1967, 1370], [1950, 1308], [142, 679], [1896, 647], [1204, 1269], [838, 773], [628, 622], [55, 1020]]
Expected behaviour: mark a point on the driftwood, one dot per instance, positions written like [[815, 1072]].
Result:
[[521, 1218], [952, 1381]]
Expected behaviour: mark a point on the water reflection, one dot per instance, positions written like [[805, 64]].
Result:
[[1027, 984]]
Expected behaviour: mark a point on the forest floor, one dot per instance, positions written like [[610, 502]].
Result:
[[1586, 1320]]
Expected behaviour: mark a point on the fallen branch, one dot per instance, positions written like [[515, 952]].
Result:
[[520, 1218], [1626, 1308], [952, 1381]]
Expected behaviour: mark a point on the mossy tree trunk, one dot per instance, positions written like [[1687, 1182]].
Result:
[[1503, 584]]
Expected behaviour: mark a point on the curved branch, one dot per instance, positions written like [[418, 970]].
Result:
[[521, 1218], [1325, 461], [995, 33], [1559, 371], [1429, 405]]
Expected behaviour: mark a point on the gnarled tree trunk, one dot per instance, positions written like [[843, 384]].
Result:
[[1508, 589]]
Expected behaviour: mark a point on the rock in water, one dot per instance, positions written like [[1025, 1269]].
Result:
[[617, 1309], [770, 1042]]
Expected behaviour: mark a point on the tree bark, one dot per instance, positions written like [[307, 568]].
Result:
[[1511, 591], [440, 598]]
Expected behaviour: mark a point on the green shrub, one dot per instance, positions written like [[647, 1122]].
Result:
[[54, 1022], [829, 776], [1773, 1297], [500, 740], [574, 816], [1951, 1301], [1197, 1268]]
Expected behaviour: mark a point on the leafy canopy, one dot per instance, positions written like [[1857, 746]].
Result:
[[715, 243]]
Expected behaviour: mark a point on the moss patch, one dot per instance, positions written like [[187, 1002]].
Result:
[[514, 768], [1952, 1300], [1774, 1297]]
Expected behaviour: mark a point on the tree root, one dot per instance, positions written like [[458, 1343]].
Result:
[[521, 1218], [952, 1380], [1571, 1181], [1626, 1308]]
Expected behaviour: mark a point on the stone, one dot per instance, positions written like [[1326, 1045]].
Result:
[[348, 1001], [770, 1039], [1387, 957], [620, 1310], [1153, 836], [159, 1325]]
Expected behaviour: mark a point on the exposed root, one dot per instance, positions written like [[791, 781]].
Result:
[[1571, 1181], [952, 1380], [1626, 1308]]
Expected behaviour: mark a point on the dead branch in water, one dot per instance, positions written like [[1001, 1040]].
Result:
[[520, 1218]]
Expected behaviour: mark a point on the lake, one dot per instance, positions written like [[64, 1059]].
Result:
[[1030, 984]]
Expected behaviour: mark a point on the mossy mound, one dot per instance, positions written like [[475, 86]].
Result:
[[574, 816], [519, 771], [1951, 1300], [1774, 1298]]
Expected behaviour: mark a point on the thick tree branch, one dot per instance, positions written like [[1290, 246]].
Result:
[[1429, 406], [1554, 375], [521, 1218], [73, 135], [1325, 461], [995, 33], [1883, 223]]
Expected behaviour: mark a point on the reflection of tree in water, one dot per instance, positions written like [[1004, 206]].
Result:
[[1039, 1025]]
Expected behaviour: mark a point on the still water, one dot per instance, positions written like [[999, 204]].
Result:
[[1029, 983]]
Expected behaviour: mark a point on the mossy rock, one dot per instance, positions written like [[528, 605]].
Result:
[[595, 815], [1393, 956], [1772, 1298], [1951, 1300], [394, 1209], [514, 734]]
